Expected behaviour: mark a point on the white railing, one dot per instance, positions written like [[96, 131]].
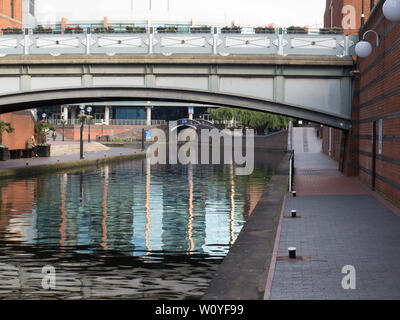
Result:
[[114, 122], [215, 42]]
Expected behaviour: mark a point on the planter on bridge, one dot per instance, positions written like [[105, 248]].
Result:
[[70, 30], [131, 29], [231, 30], [200, 30], [41, 29], [331, 31], [264, 30], [10, 30], [297, 30], [167, 30], [104, 30], [43, 150]]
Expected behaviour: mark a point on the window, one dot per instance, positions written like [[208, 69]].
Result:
[[12, 9], [32, 7]]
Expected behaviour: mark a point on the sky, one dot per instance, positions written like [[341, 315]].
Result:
[[283, 13]]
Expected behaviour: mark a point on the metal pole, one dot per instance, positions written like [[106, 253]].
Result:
[[89, 132], [63, 130], [81, 141], [373, 176], [143, 137], [362, 14]]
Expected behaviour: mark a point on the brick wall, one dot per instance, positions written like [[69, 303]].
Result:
[[24, 128], [337, 15], [376, 97], [72, 132], [5, 10], [380, 100]]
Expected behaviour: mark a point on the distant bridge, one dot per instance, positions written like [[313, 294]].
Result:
[[191, 123]]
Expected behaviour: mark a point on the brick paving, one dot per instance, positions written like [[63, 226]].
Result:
[[344, 223]]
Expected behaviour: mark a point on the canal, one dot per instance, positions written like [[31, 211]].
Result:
[[127, 230]]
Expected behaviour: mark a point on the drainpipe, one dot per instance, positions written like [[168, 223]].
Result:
[[330, 142], [362, 14]]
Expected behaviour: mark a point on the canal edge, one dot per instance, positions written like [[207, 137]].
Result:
[[33, 171], [244, 272]]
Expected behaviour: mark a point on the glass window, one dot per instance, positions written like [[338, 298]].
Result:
[[32, 7], [12, 8]]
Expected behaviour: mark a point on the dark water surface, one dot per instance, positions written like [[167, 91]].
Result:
[[128, 230]]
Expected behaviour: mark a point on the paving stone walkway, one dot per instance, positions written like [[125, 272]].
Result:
[[341, 223]]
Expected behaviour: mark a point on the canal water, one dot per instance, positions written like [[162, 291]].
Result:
[[128, 230]]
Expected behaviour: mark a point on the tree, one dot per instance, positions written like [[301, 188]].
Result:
[[258, 120], [4, 127], [41, 129], [223, 113]]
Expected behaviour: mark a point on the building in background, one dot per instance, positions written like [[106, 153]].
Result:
[[371, 150], [13, 14], [28, 13], [347, 14]]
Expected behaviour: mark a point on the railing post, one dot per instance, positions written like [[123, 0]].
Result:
[[215, 40], [88, 41], [290, 130], [280, 42], [151, 40], [26, 41], [346, 45]]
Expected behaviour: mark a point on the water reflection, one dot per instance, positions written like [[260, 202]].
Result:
[[128, 230]]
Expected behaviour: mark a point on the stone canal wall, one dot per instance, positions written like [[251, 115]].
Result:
[[244, 271]]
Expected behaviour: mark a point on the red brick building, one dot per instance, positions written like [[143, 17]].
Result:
[[22, 122], [374, 154], [24, 128], [10, 13], [342, 13]]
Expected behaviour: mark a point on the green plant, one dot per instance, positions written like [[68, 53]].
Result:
[[135, 29], [171, 29], [295, 29], [10, 30], [4, 127], [41, 29], [234, 29], [70, 29], [103, 29], [42, 128]]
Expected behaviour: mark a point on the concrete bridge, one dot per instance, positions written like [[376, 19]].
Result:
[[191, 123], [306, 76], [315, 88]]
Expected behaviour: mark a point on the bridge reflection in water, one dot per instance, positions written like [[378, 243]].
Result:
[[129, 220]]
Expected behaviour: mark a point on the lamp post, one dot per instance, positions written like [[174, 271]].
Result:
[[364, 48], [89, 110], [82, 112]]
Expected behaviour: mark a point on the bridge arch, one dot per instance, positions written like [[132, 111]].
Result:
[[40, 98]]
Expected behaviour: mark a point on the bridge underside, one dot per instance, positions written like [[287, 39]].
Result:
[[315, 88], [51, 97]]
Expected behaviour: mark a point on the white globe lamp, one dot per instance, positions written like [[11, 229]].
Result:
[[391, 10], [363, 49]]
